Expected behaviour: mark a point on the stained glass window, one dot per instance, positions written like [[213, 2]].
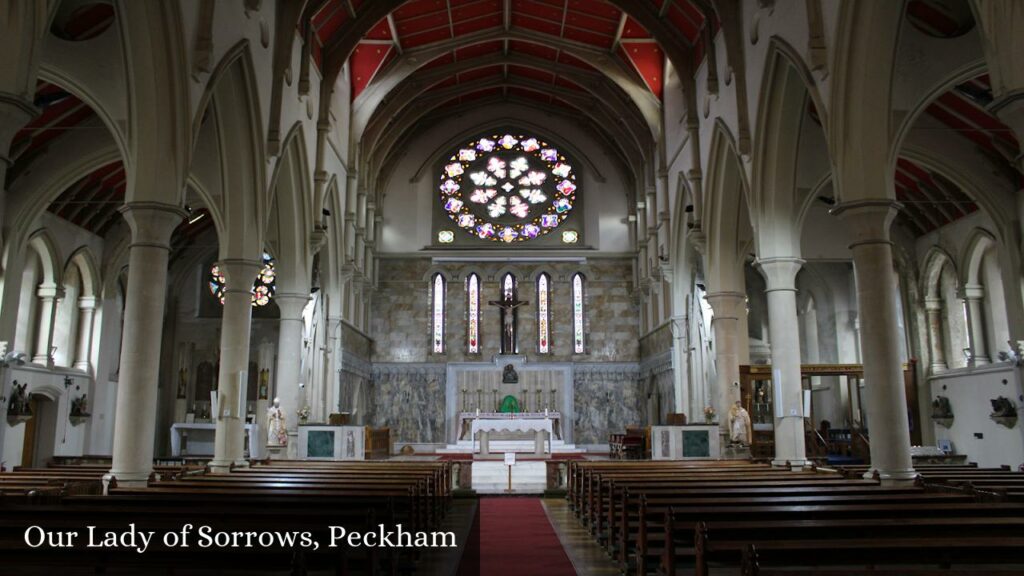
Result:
[[437, 313], [579, 342], [508, 188], [262, 288], [473, 310], [543, 316]]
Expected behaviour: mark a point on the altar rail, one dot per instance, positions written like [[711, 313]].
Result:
[[378, 443]]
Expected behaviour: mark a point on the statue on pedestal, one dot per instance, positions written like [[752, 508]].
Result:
[[277, 429], [739, 425]]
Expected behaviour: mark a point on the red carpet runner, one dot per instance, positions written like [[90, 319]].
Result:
[[515, 539]]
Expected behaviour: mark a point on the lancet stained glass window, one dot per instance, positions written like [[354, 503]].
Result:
[[508, 188], [579, 341], [543, 316], [473, 310], [262, 288], [437, 313]]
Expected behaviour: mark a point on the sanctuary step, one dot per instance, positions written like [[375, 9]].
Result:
[[500, 446], [528, 477]]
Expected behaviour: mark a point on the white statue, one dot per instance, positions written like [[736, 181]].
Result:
[[739, 424], [277, 429]]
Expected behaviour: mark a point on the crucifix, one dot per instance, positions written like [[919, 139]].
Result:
[[509, 304]]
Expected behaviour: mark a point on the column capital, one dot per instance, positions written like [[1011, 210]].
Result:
[[868, 220], [239, 273], [972, 292], [291, 304], [933, 304], [152, 223], [49, 291], [727, 305], [87, 303], [779, 272]]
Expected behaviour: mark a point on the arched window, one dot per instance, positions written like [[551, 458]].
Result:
[[543, 314], [578, 314], [473, 314], [437, 286]]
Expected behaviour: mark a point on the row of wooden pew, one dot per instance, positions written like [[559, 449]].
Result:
[[279, 497], [682, 517]]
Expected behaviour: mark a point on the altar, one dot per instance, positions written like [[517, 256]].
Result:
[[197, 439], [538, 423]]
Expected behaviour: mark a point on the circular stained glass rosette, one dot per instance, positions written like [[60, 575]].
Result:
[[262, 288], [507, 188]]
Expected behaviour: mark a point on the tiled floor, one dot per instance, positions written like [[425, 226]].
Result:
[[587, 557]]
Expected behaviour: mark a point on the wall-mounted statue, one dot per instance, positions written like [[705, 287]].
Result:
[[509, 375], [18, 405], [1003, 407], [941, 408], [80, 406]]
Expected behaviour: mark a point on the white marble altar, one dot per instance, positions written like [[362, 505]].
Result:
[[694, 442], [322, 442], [200, 439], [512, 423]]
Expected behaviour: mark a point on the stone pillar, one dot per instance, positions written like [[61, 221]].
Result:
[[784, 332], [974, 299], [135, 415], [86, 312], [886, 402], [48, 295], [728, 307], [289, 358], [936, 346], [229, 443]]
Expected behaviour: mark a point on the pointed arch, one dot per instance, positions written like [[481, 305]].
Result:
[[49, 256], [231, 99], [85, 262], [978, 243], [786, 92], [730, 231], [936, 259], [290, 221]]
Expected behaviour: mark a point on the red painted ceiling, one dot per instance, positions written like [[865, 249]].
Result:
[[591, 23], [930, 201]]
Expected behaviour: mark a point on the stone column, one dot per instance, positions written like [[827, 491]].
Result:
[[86, 312], [784, 332], [974, 299], [229, 443], [48, 295], [135, 417], [289, 358], [886, 403], [728, 307], [936, 346]]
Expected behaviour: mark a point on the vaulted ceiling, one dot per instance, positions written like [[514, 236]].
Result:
[[592, 59]]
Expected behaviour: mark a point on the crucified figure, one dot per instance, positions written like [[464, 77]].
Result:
[[508, 307]]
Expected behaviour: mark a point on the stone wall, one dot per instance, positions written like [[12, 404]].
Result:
[[656, 341], [401, 320]]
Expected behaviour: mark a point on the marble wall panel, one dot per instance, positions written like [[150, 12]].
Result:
[[409, 399], [607, 399]]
